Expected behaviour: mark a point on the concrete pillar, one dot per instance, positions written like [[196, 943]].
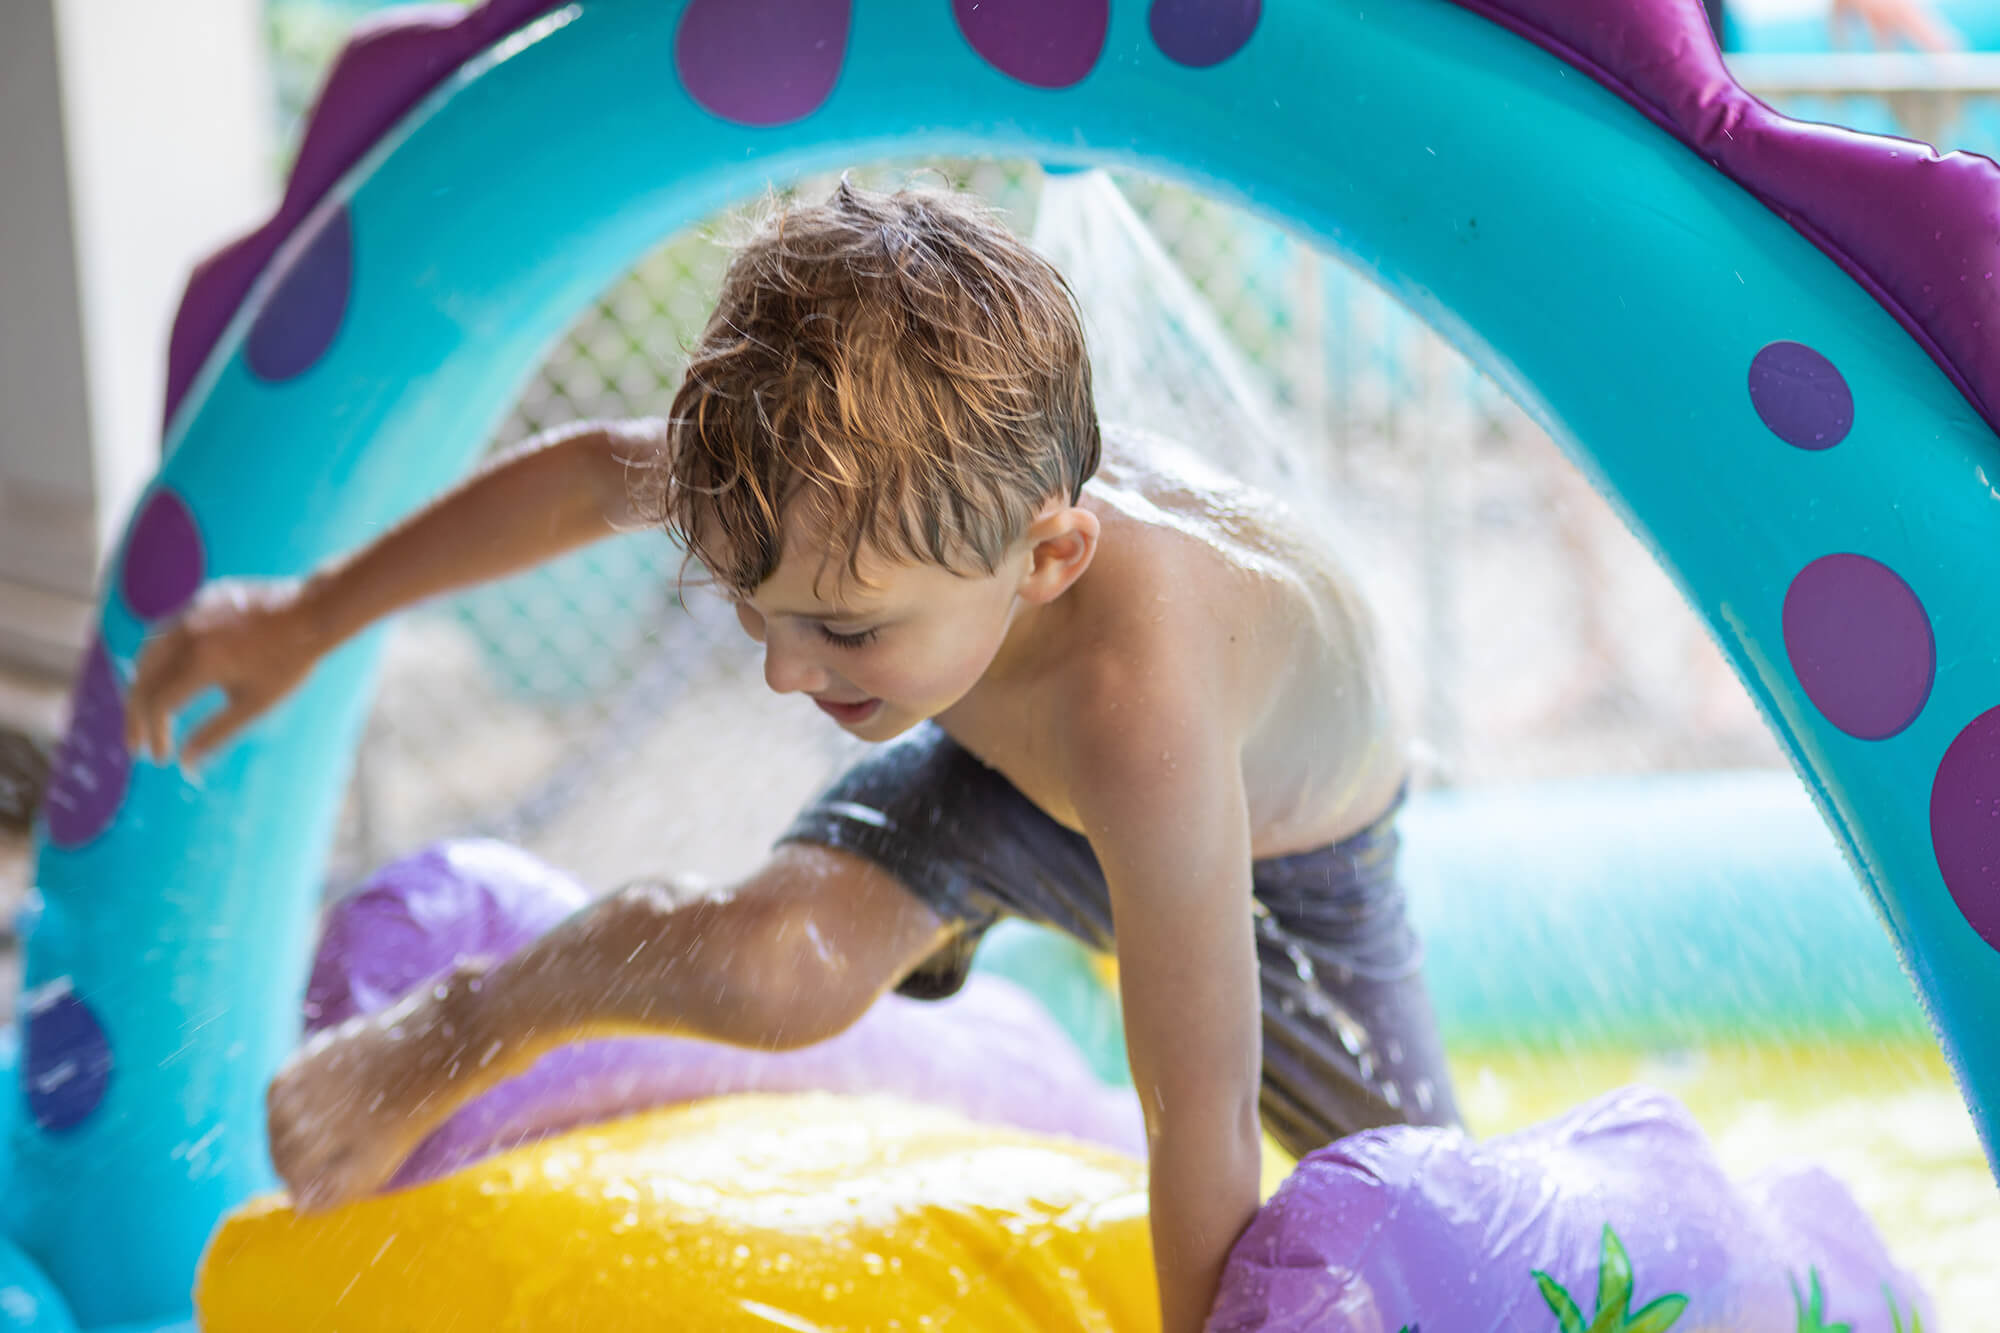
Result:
[[134, 138]]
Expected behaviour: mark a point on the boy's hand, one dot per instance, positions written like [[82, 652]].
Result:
[[355, 1101], [253, 641]]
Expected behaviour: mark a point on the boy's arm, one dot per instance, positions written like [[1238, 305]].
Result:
[[555, 493], [256, 641], [1165, 811]]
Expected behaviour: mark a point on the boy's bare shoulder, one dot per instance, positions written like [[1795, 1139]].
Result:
[[1222, 623], [1151, 674], [1139, 726]]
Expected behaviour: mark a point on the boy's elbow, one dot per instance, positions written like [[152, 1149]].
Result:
[[1220, 1110], [622, 471]]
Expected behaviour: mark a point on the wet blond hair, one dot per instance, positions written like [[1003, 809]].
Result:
[[895, 371]]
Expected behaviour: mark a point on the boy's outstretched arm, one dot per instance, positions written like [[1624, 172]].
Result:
[[257, 640], [1164, 807]]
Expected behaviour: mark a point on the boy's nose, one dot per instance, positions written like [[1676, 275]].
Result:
[[790, 673]]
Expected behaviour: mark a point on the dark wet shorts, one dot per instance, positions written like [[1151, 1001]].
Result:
[[1350, 1040]]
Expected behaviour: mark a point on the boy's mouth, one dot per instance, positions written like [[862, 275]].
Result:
[[849, 715]]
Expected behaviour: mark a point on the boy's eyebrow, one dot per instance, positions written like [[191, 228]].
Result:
[[826, 612]]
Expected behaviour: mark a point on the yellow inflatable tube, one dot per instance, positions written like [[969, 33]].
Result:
[[813, 1212]]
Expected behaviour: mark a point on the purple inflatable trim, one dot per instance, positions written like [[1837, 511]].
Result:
[[991, 1052], [387, 67], [1919, 230], [1408, 1227], [467, 899]]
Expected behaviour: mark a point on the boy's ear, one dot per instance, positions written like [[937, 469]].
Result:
[[1061, 544]]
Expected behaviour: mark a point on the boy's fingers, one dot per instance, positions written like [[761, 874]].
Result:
[[160, 722], [218, 729], [179, 679], [160, 662], [139, 698]]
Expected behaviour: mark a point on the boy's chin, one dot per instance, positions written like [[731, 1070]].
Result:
[[884, 724]]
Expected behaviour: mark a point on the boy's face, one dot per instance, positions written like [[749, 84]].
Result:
[[883, 649]]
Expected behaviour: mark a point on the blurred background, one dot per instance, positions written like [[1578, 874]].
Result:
[[592, 713]]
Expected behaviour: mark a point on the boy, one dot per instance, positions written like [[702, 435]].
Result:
[[1132, 695]]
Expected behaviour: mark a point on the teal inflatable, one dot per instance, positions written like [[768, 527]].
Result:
[[1768, 343], [1062, 974], [1648, 912], [28, 1303]]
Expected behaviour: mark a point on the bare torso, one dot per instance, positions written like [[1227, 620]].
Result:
[[1193, 563]]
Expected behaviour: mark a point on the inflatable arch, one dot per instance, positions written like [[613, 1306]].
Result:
[[1769, 342]]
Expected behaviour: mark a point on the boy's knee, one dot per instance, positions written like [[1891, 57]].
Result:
[[796, 980], [765, 968]]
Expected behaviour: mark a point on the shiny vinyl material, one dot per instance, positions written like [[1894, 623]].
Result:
[[748, 1213]]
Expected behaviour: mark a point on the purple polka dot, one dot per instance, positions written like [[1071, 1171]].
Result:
[[163, 558], [1860, 643], [1800, 396], [761, 62], [1200, 33], [1965, 823], [66, 1065], [1043, 43], [88, 776], [303, 312]]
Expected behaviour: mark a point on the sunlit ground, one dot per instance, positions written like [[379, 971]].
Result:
[[1886, 1120]]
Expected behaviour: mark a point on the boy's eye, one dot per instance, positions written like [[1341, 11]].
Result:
[[855, 640]]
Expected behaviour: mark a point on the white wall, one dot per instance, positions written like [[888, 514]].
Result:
[[46, 468], [135, 136]]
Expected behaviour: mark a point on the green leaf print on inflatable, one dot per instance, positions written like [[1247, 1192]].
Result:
[[1614, 1295], [1811, 1307], [1812, 1314], [1896, 1313]]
